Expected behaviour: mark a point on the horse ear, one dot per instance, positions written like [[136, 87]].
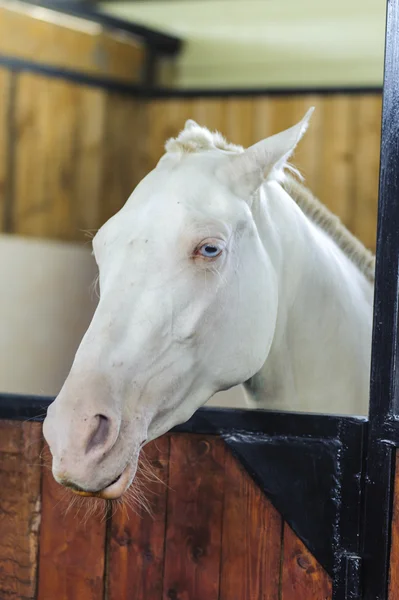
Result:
[[266, 159]]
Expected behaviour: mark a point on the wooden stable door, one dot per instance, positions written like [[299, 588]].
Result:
[[210, 533]]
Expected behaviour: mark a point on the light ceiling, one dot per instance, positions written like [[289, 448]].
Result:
[[266, 43]]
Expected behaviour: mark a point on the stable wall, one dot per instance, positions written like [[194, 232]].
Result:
[[71, 152]]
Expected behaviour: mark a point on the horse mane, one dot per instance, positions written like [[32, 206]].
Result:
[[319, 214], [194, 139]]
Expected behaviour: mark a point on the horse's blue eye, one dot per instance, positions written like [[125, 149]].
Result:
[[209, 250]]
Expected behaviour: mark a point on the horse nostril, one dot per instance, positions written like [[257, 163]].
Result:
[[101, 433]]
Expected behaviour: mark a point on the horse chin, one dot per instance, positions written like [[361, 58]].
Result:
[[115, 489]]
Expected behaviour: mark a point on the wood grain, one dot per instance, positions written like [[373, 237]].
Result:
[[194, 518], [393, 593], [302, 576], [20, 445], [136, 542], [367, 166], [211, 113], [239, 121], [5, 99], [337, 160], [72, 546], [123, 165], [70, 43], [251, 541], [58, 153]]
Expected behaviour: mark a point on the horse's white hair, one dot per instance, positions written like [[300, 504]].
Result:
[[194, 138]]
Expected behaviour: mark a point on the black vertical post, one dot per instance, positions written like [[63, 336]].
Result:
[[384, 391]]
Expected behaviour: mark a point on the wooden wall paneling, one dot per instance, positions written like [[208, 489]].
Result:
[[166, 118], [393, 593], [122, 167], [58, 152], [251, 540], [154, 143], [302, 576], [69, 42], [194, 518], [87, 191], [137, 537], [210, 113], [5, 91], [239, 121], [120, 57], [262, 117], [367, 166], [72, 546], [286, 111], [47, 130], [335, 187], [20, 446], [29, 202]]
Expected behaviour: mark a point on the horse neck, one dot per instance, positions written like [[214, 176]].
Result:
[[319, 359]]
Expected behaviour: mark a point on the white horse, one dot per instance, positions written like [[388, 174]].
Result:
[[219, 270]]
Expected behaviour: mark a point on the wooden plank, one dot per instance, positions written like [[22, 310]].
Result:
[[302, 576], [44, 132], [194, 517], [88, 155], [367, 166], [58, 158], [251, 541], [123, 163], [394, 558], [337, 160], [210, 113], [166, 118], [72, 546], [239, 121], [49, 37], [20, 445], [5, 87], [136, 543], [262, 118]]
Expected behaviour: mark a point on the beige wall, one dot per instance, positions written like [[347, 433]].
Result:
[[46, 304]]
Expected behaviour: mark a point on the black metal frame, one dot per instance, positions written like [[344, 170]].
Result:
[[356, 458], [384, 391]]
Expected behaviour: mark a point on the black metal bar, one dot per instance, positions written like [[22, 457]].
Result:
[[24, 407], [107, 83], [228, 421], [210, 420], [165, 93], [385, 352], [163, 43]]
